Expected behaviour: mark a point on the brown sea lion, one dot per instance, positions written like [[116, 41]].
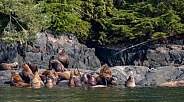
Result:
[[105, 72], [91, 80], [77, 81], [105, 76], [63, 57], [44, 78], [71, 82], [130, 82], [8, 66], [57, 65], [32, 66], [26, 73], [64, 75], [172, 84], [36, 82], [46, 72], [52, 74], [77, 72], [16, 80], [51, 58], [100, 80], [49, 82]]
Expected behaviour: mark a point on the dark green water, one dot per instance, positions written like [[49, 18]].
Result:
[[111, 94]]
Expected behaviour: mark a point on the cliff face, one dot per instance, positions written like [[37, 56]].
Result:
[[47, 45]]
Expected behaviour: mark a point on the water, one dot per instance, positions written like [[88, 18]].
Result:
[[110, 94]]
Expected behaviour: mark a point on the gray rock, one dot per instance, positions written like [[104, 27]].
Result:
[[152, 56], [48, 45], [123, 72]]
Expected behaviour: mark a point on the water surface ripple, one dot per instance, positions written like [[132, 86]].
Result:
[[110, 94]]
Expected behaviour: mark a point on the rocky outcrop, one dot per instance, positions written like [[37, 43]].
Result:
[[152, 56], [47, 45]]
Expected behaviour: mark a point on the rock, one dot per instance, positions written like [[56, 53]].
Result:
[[123, 72], [146, 54], [162, 74], [47, 45]]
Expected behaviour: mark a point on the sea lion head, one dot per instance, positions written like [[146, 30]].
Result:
[[14, 73], [61, 50], [15, 64], [32, 66], [26, 68]]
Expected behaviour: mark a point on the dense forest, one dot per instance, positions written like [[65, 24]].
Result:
[[92, 21]]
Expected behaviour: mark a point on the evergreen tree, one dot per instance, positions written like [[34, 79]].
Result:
[[93, 21], [25, 20]]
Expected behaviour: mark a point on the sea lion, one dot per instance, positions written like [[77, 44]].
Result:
[[36, 82], [32, 66], [63, 57], [44, 78], [105, 72], [16, 80], [8, 66], [77, 81], [57, 65], [85, 79], [26, 73], [71, 82], [91, 80], [49, 82], [77, 72], [105, 76], [172, 84], [52, 74], [130, 82], [51, 58], [100, 80], [64, 75]]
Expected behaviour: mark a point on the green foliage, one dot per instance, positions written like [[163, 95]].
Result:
[[25, 18], [94, 21], [66, 17]]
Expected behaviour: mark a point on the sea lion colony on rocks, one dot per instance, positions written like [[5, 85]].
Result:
[[51, 77], [57, 71]]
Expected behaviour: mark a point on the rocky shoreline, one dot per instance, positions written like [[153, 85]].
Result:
[[151, 65]]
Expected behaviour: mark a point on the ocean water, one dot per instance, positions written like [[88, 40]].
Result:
[[109, 94]]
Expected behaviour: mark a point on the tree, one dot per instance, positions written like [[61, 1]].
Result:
[[66, 16], [25, 20]]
